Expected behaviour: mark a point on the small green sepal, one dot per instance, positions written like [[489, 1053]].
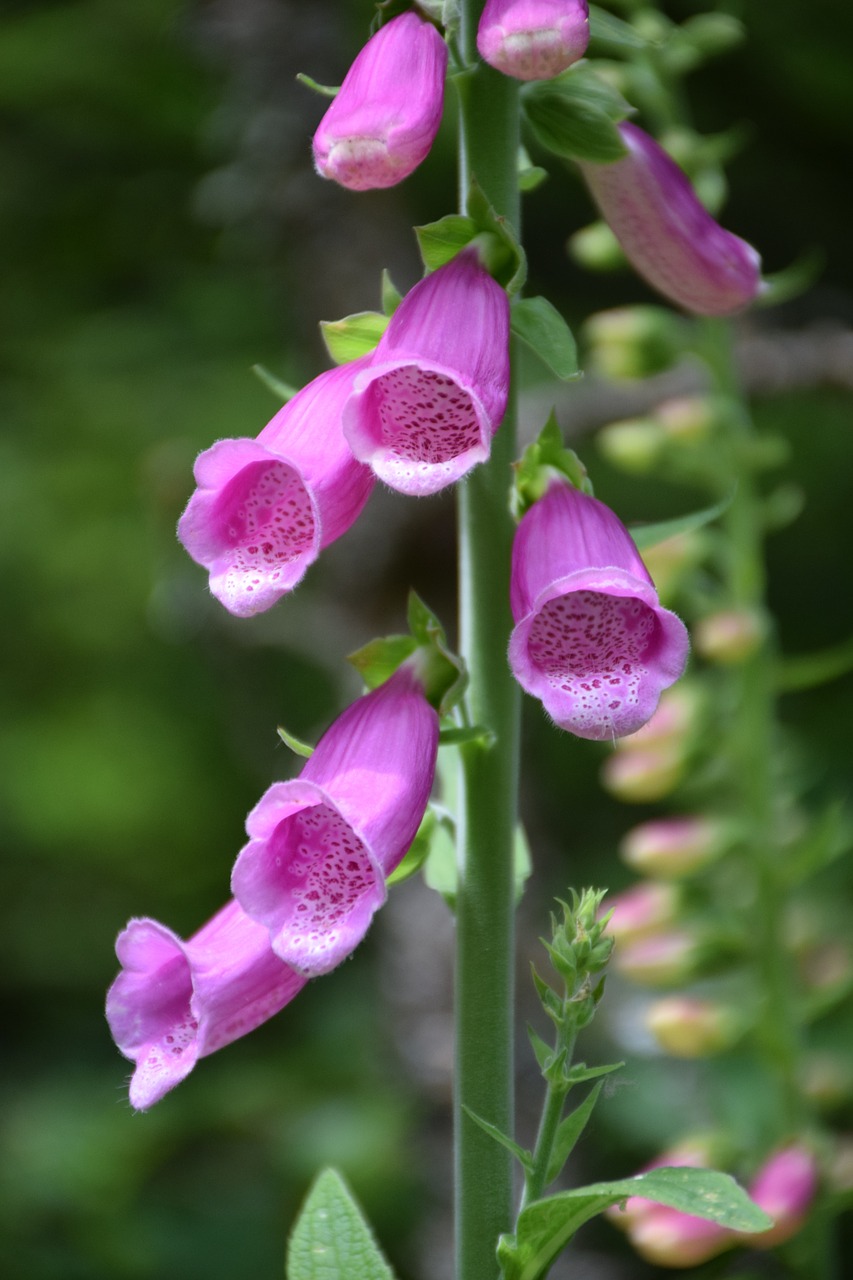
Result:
[[297, 746], [530, 175], [324, 90], [546, 457], [391, 295], [418, 850], [281, 390], [377, 661], [441, 672], [353, 336], [496, 242]]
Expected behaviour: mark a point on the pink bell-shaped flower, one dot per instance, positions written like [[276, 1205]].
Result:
[[424, 411], [667, 234], [175, 1002], [591, 640], [384, 119], [321, 846], [533, 39], [264, 508]]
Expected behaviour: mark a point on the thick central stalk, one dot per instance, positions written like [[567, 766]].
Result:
[[488, 775]]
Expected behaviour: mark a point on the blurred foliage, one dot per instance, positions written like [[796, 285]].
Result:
[[157, 241]]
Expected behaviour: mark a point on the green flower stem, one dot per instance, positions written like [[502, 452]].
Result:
[[752, 750], [488, 775], [552, 1113]]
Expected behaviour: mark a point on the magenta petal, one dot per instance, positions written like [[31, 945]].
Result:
[[175, 1002], [264, 508], [668, 236], [320, 847], [424, 411], [591, 640], [533, 39], [384, 119]]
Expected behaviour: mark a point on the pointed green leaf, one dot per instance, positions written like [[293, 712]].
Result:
[[649, 535], [281, 390], [331, 1240], [440, 241], [298, 747], [524, 1158], [544, 1053], [506, 259], [580, 1071], [611, 34], [546, 1226], [391, 295], [568, 1133], [575, 115], [377, 661], [540, 326], [354, 336]]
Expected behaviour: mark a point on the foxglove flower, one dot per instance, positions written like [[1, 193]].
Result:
[[533, 39], [385, 117], [264, 508], [667, 234], [321, 846], [784, 1188], [425, 410], [175, 1002], [591, 640]]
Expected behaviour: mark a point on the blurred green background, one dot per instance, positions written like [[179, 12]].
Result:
[[161, 231]]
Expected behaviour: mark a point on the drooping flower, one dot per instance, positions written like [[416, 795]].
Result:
[[667, 234], [264, 508], [383, 121], [321, 846], [674, 847], [425, 410], [175, 1002], [591, 640], [533, 39]]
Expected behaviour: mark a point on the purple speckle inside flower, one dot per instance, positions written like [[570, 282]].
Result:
[[326, 873], [424, 416], [161, 1065], [265, 521], [591, 647]]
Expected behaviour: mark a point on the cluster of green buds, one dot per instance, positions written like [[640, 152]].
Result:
[[579, 950]]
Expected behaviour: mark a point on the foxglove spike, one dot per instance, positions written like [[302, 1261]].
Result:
[[666, 233], [385, 117], [264, 508], [425, 410], [322, 846], [175, 1002], [533, 39], [591, 640]]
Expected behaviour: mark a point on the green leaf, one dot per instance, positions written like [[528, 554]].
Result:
[[546, 1226], [649, 535], [440, 241], [524, 1158], [530, 175], [296, 745], [811, 670], [575, 115], [354, 336], [791, 281], [331, 1239], [540, 326], [506, 259], [580, 1071], [544, 1053], [829, 837], [568, 1133], [324, 90], [611, 34], [377, 661], [440, 870], [281, 390]]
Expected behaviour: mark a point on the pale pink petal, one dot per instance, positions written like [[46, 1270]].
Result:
[[533, 39]]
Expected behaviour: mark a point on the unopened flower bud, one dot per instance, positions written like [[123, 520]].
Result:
[[635, 444], [596, 248], [673, 723], [640, 910], [673, 847], [730, 635], [533, 39], [784, 1188], [688, 419], [385, 117], [668, 236], [659, 959], [668, 1238], [827, 1079], [643, 776], [632, 342], [689, 1027]]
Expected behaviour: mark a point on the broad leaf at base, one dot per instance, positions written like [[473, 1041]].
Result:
[[331, 1240]]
